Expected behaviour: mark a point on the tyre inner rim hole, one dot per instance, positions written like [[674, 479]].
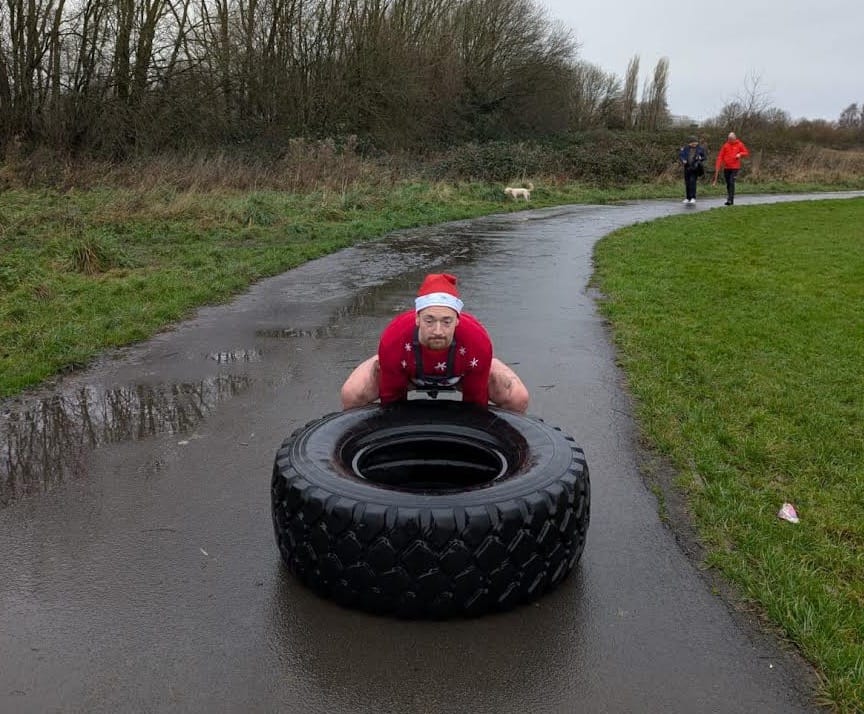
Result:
[[429, 463]]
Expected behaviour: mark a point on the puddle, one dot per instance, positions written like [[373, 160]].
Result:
[[45, 444]]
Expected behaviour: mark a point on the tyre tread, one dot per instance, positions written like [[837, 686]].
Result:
[[431, 562]]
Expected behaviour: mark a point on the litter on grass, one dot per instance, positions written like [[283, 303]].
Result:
[[788, 513]]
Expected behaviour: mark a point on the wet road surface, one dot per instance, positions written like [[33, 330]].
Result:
[[139, 571]]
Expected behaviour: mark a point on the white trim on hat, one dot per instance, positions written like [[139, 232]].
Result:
[[440, 299]]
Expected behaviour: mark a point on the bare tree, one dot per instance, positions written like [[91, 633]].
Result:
[[150, 15], [112, 74], [31, 27], [751, 107], [593, 94], [510, 57], [754, 101], [125, 23], [851, 117], [628, 96], [654, 111]]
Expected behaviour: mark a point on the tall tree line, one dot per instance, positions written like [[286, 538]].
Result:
[[123, 75]]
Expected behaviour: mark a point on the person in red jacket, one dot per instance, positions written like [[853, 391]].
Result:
[[436, 346], [729, 158]]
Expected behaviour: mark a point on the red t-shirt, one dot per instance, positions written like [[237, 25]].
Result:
[[472, 359]]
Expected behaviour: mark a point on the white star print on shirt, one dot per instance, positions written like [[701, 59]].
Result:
[[462, 350], [407, 346], [474, 362], [441, 366], [404, 364]]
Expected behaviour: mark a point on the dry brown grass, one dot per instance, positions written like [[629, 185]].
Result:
[[300, 166], [170, 184], [810, 165]]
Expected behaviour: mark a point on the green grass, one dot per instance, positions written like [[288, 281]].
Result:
[[742, 335]]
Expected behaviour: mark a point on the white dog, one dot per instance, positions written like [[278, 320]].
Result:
[[516, 193]]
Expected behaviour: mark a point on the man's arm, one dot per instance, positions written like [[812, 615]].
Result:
[[475, 385], [392, 379], [718, 162], [475, 378]]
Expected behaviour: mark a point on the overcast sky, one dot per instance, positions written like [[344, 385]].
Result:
[[807, 54]]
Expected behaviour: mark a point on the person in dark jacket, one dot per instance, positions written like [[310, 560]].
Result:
[[692, 158]]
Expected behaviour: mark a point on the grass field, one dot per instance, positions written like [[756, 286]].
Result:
[[742, 335]]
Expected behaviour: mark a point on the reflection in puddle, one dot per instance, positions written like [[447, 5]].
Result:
[[316, 332], [46, 444], [236, 356]]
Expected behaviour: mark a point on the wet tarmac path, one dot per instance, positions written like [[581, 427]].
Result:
[[139, 572]]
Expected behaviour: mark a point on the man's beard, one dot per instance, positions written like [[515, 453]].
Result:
[[437, 343]]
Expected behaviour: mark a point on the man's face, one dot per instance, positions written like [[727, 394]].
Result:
[[437, 325]]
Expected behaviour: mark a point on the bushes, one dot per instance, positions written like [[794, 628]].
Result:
[[602, 158], [492, 161], [599, 158]]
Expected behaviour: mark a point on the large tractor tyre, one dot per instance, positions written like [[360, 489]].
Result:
[[430, 509]]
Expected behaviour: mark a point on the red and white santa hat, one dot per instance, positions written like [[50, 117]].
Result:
[[438, 289]]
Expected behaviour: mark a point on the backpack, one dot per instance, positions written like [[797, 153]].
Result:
[[694, 161]]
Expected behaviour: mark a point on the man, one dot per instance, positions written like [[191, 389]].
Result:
[[692, 157], [729, 157], [435, 346]]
